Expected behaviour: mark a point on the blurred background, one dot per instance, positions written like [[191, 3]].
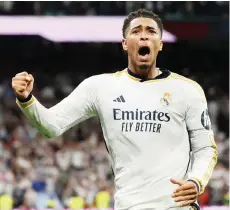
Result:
[[73, 171]]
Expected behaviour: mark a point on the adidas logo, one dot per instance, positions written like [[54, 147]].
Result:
[[119, 99]]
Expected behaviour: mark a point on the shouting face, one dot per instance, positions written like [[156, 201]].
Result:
[[142, 42]]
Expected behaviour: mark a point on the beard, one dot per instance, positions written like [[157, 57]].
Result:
[[144, 67]]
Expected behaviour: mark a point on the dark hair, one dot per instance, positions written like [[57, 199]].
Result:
[[141, 13]]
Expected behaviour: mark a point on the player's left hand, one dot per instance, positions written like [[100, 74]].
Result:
[[187, 192]]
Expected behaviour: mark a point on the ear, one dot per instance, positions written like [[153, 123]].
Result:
[[161, 45], [124, 44]]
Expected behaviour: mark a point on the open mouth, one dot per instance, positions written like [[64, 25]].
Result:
[[144, 51]]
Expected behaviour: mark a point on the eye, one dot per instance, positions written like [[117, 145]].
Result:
[[152, 31], [135, 31]]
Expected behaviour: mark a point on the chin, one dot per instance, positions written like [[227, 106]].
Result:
[[144, 67]]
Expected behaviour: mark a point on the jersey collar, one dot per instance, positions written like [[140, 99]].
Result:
[[165, 73]]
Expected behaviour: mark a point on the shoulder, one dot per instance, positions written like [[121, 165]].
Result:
[[190, 87], [105, 78], [101, 81]]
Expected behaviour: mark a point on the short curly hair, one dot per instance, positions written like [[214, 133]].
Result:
[[141, 13]]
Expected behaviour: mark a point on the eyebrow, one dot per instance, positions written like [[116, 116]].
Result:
[[148, 27]]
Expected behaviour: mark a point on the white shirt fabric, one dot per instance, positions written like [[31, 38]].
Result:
[[149, 127]]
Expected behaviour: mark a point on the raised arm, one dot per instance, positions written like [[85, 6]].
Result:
[[52, 122]]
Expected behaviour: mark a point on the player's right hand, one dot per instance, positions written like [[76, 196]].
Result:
[[22, 85]]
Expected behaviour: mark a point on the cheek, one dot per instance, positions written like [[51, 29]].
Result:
[[156, 46], [131, 47]]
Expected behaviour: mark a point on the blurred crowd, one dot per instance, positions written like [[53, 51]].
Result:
[[167, 9], [74, 170], [70, 171]]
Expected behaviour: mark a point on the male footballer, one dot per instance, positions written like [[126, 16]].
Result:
[[155, 122]]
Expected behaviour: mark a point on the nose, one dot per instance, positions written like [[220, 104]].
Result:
[[144, 37]]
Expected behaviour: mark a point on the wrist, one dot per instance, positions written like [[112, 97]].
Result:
[[21, 100], [196, 183]]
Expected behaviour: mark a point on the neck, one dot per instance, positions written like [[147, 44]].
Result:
[[147, 72]]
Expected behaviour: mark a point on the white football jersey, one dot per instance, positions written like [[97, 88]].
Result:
[[149, 126]]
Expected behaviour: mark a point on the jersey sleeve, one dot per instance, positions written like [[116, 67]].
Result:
[[204, 151], [73, 109]]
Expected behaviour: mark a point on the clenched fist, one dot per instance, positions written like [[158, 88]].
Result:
[[22, 84]]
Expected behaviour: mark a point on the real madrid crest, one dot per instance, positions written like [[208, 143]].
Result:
[[166, 99]]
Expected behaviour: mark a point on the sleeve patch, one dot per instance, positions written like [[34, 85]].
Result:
[[205, 120]]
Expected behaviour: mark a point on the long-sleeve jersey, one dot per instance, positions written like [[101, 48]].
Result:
[[152, 129]]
